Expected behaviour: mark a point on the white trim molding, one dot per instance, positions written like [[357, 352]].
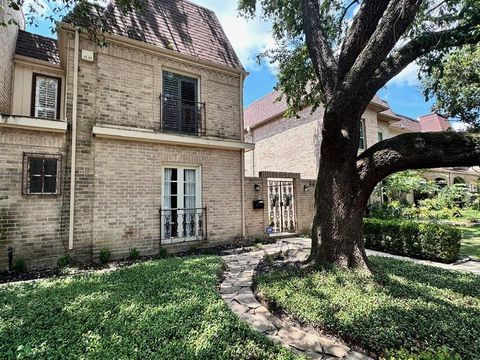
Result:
[[163, 138], [31, 123]]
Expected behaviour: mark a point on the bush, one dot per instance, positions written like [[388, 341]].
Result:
[[430, 241], [134, 254], [104, 255], [20, 265], [65, 261], [162, 253], [441, 353]]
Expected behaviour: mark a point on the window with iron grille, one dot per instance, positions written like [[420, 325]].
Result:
[[46, 92], [41, 174]]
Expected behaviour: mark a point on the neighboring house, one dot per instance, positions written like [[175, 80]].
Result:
[[293, 144], [152, 123]]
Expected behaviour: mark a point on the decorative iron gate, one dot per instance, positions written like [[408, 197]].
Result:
[[281, 206]]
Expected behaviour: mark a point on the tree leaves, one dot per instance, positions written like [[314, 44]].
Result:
[[454, 81]]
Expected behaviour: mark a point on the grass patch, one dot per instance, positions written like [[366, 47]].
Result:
[[164, 309], [471, 241], [404, 305]]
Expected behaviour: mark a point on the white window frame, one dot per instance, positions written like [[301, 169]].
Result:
[[380, 133], [363, 131], [35, 82], [180, 193]]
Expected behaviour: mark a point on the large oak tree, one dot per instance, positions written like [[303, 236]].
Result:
[[339, 54]]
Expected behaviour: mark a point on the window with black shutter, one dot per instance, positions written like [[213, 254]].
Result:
[[41, 174], [180, 112], [46, 96]]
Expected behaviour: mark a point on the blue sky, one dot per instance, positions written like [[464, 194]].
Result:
[[250, 37]]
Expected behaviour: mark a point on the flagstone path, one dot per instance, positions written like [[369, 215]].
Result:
[[237, 293], [236, 290]]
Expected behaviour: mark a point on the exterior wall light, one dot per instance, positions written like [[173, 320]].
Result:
[[256, 187], [306, 188]]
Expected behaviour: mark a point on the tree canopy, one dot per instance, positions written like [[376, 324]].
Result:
[[352, 39], [455, 84]]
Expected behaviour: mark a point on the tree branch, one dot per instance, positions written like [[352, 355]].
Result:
[[319, 49], [396, 19], [421, 45], [363, 26], [417, 151]]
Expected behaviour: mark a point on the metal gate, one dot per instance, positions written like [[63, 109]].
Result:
[[281, 206]]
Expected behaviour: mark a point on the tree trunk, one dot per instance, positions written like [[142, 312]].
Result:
[[346, 180], [337, 231]]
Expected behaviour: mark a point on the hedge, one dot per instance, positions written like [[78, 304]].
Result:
[[429, 241]]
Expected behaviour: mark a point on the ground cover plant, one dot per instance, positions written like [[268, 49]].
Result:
[[163, 309], [401, 306], [471, 241]]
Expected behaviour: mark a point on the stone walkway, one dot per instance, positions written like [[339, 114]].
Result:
[[236, 291]]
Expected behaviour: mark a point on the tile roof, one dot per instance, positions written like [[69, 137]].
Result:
[[434, 122], [177, 25], [264, 109], [407, 124], [268, 107], [37, 47]]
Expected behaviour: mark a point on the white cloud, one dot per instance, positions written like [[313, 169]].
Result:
[[248, 37], [409, 76], [458, 125]]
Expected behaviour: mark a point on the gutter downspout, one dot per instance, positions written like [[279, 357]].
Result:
[[242, 157], [74, 141]]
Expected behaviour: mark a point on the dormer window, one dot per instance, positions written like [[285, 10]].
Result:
[[46, 96]]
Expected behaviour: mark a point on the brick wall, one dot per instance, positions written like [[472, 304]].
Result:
[[257, 220], [118, 183], [286, 145], [128, 185], [30, 224], [8, 37], [122, 88], [305, 204], [129, 84]]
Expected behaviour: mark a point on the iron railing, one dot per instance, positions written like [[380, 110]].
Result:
[[183, 225], [182, 116]]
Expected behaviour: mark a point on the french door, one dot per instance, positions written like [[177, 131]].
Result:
[[182, 216]]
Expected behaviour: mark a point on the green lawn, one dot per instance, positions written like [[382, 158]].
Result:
[[165, 309], [471, 241], [417, 307]]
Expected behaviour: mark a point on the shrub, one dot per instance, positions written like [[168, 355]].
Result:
[[134, 254], [441, 353], [162, 253], [19, 265], [65, 261], [430, 241], [104, 255]]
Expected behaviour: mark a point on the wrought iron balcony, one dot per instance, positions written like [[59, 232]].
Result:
[[183, 225], [182, 116]]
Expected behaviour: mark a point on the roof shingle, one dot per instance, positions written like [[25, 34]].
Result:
[[434, 122], [37, 47], [177, 25], [407, 124], [269, 107]]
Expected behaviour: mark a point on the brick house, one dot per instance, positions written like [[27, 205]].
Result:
[[293, 144], [150, 126]]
